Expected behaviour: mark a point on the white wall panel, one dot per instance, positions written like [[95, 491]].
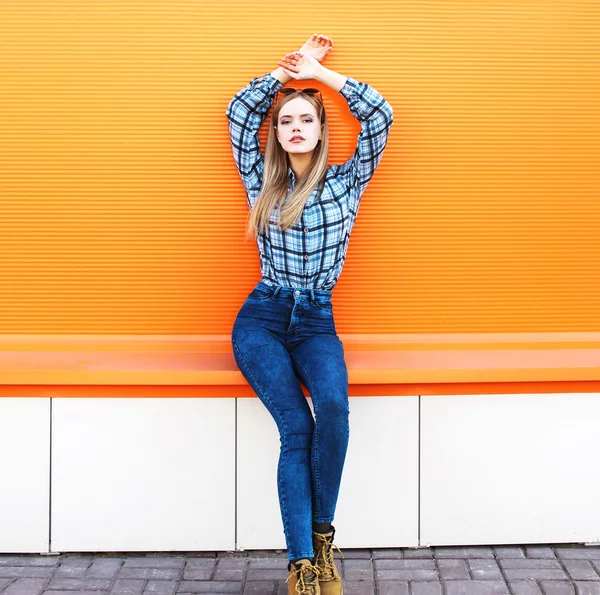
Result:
[[378, 502], [143, 474], [24, 475], [510, 469]]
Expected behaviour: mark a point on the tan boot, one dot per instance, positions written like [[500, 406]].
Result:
[[303, 578], [330, 580]]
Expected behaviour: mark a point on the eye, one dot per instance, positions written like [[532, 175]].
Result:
[[305, 120]]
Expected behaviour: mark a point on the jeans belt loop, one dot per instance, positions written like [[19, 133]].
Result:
[[276, 291], [312, 295]]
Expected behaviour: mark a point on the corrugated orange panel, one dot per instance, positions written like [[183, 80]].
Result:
[[122, 211]]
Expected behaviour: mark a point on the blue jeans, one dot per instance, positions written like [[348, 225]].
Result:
[[282, 335]]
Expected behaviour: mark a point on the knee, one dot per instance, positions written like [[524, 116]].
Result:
[[297, 432], [333, 408]]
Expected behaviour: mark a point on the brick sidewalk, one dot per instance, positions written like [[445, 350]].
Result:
[[481, 570]]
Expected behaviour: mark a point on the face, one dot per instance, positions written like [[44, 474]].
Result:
[[298, 118]]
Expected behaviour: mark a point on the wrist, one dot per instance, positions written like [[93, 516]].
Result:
[[320, 73], [280, 75]]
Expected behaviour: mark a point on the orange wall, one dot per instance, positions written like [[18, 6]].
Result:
[[122, 211]]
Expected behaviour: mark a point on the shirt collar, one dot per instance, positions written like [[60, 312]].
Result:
[[291, 174]]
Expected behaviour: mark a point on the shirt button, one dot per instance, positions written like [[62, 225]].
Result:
[[306, 257], [306, 230]]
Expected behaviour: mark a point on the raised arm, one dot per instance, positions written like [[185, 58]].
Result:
[[376, 117], [366, 104], [246, 112]]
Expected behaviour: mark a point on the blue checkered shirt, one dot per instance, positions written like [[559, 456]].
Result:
[[310, 254]]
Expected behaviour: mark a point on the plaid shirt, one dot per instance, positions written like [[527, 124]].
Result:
[[310, 254]]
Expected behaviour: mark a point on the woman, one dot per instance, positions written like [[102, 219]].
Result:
[[302, 213]]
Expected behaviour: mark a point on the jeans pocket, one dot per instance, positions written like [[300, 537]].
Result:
[[323, 304], [260, 294]]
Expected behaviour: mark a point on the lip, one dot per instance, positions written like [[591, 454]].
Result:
[[296, 139]]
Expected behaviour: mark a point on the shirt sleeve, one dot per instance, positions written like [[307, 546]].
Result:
[[246, 112], [376, 117]]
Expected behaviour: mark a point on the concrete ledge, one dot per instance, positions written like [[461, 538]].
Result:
[[203, 365]]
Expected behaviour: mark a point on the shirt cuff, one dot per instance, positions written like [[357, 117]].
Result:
[[351, 87], [269, 83]]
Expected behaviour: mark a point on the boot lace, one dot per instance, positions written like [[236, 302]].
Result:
[[307, 579], [324, 553]]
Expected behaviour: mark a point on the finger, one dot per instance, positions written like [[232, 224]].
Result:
[[289, 66]]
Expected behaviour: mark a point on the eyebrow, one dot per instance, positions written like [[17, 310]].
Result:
[[288, 116]]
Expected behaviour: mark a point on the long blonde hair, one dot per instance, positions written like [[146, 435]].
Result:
[[275, 175]]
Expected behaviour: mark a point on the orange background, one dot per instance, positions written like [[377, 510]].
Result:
[[123, 213]]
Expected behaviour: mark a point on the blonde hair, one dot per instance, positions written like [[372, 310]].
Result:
[[275, 174]]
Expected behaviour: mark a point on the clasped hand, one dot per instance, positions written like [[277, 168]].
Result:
[[304, 63]]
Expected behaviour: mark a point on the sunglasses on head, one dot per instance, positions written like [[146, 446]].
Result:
[[308, 91]]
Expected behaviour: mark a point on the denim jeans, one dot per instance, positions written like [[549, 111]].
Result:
[[282, 335]]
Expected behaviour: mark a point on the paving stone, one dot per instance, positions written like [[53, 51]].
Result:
[[426, 588], [476, 588], [483, 569], [382, 553], [539, 552], [587, 588], [268, 554], [405, 570], [509, 552], [26, 571], [201, 569], [392, 588], [525, 588], [104, 568], [154, 562], [414, 553], [482, 551], [5, 582], [160, 587], [353, 554], [73, 567], [259, 588], [275, 564], [209, 587], [359, 588], [75, 592], [578, 552], [205, 562], [230, 569], [157, 574], [79, 584], [406, 575], [266, 574], [29, 560], [475, 570], [557, 588], [581, 570], [530, 563], [404, 564], [357, 570], [127, 586], [535, 574], [453, 569], [26, 586]]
